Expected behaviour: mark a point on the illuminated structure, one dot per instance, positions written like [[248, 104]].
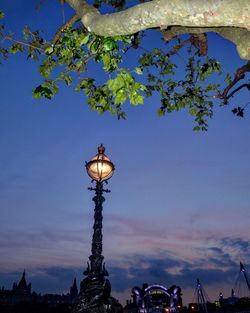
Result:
[[157, 298], [95, 289]]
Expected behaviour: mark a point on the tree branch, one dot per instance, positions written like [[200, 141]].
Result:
[[239, 36], [240, 74], [83, 9], [197, 38], [24, 43], [66, 25], [162, 14], [237, 89]]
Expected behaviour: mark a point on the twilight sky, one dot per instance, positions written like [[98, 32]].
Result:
[[180, 202]]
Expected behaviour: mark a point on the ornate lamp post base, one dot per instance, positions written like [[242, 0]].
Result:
[[94, 296]]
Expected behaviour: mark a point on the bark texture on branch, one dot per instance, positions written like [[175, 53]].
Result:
[[239, 36], [230, 17]]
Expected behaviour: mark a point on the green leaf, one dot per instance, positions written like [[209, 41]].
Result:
[[85, 40], [68, 80], [116, 83], [45, 70], [137, 99], [1, 14], [196, 128], [138, 70], [42, 91], [49, 50], [16, 48], [106, 61], [121, 96], [161, 112], [193, 111], [228, 79], [109, 44]]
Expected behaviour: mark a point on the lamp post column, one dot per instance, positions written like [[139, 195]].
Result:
[[96, 258]]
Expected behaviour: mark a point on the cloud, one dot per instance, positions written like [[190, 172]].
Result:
[[237, 243], [236, 247], [57, 247], [136, 269]]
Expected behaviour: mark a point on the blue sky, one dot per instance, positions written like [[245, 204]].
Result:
[[179, 206]]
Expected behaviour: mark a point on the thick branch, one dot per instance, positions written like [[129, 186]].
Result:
[[83, 9], [240, 74], [163, 14]]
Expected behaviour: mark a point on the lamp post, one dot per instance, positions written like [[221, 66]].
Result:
[[94, 296]]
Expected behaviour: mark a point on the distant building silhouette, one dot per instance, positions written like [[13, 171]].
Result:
[[21, 294], [74, 291]]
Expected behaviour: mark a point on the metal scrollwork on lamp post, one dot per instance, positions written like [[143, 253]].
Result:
[[95, 289]]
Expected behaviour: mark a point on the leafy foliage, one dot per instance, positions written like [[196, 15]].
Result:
[[70, 60], [190, 92]]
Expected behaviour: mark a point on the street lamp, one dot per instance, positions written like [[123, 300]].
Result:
[[100, 168], [94, 296]]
